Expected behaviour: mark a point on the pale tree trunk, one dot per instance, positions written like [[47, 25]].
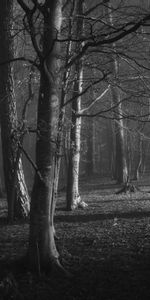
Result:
[[19, 205], [121, 171], [139, 158], [62, 110], [90, 149], [42, 250], [111, 147], [73, 196]]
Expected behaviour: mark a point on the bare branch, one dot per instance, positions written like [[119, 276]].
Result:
[[94, 101], [32, 62], [24, 6], [85, 90], [128, 29]]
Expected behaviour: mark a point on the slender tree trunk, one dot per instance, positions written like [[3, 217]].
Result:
[[42, 249], [120, 161], [121, 172], [60, 133], [90, 149], [19, 205], [1, 189], [139, 159], [112, 146], [73, 196]]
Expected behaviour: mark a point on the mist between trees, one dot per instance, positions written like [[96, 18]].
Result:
[[75, 103]]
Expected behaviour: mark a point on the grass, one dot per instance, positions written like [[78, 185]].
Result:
[[106, 247]]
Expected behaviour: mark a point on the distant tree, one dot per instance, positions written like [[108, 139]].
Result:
[[17, 194]]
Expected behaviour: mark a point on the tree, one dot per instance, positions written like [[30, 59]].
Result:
[[73, 196], [43, 20], [42, 249], [17, 194], [121, 171]]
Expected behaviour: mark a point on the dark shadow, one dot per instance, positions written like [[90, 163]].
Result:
[[100, 217], [95, 203], [4, 221]]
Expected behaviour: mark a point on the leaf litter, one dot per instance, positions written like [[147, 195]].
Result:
[[105, 246]]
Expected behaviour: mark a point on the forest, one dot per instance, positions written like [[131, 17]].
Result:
[[74, 149]]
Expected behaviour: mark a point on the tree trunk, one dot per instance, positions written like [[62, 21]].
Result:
[[73, 197], [42, 249], [60, 133], [139, 159], [19, 206], [120, 161], [121, 172], [90, 149]]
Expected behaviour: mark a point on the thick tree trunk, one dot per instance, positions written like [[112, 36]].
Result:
[[19, 205], [42, 249]]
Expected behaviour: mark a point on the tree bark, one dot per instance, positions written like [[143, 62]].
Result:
[[121, 171], [73, 196], [42, 249], [90, 149], [120, 160], [139, 158], [19, 205]]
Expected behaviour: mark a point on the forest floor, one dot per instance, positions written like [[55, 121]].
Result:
[[106, 247]]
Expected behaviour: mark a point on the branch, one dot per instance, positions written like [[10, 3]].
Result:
[[29, 14], [30, 97], [109, 40], [31, 161], [95, 7], [24, 6], [20, 59], [94, 101], [85, 90]]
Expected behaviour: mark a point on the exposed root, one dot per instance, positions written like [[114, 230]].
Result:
[[128, 188], [52, 266], [78, 203], [82, 204], [59, 269]]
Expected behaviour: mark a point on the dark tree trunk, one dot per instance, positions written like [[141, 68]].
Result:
[[17, 195], [42, 249]]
